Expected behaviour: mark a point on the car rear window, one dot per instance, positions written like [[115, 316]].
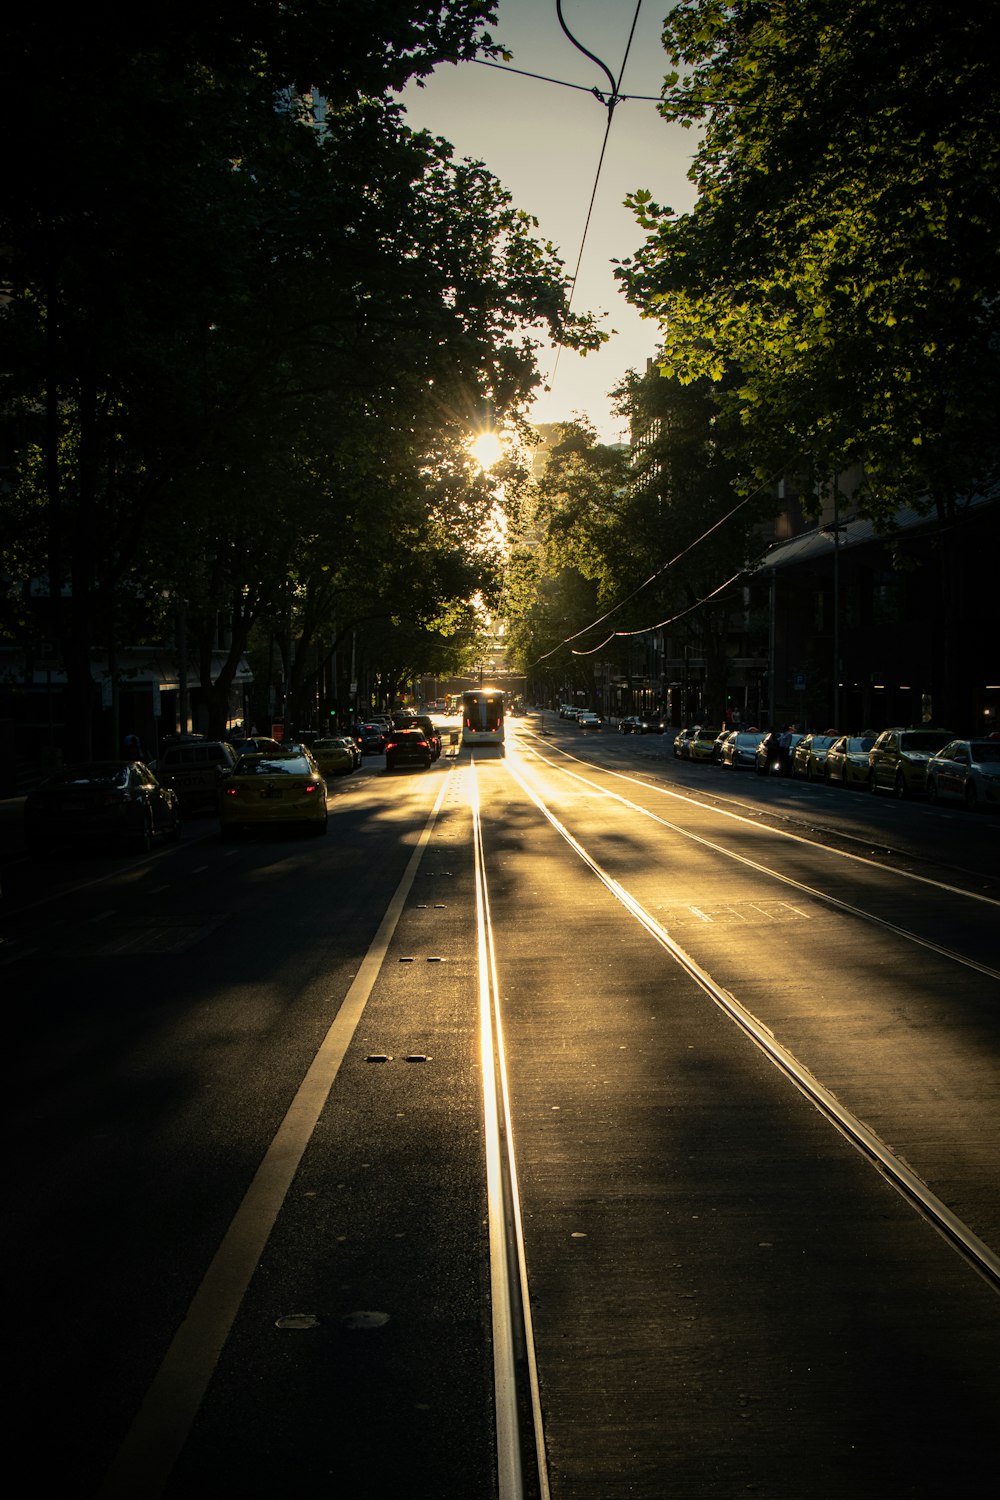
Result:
[[272, 765]]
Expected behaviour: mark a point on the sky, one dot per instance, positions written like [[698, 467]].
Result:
[[543, 142]]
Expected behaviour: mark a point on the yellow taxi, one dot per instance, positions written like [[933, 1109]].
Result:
[[284, 787], [333, 757]]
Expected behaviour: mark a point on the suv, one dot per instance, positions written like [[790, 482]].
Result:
[[194, 768], [898, 759], [424, 722]]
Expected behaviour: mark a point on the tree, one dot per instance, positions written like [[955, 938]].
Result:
[[840, 265], [225, 319]]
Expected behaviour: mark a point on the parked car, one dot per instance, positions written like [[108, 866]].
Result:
[[774, 753], [968, 770], [740, 748], [809, 756], [192, 767], [682, 740], [847, 759], [407, 747], [284, 788], [701, 745], [898, 759], [111, 801]]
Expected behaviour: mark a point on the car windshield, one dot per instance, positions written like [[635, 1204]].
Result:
[[328, 744], [272, 765], [860, 744]]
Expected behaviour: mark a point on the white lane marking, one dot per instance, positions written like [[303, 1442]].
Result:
[[902, 1177], [161, 1426], [796, 885], [796, 838]]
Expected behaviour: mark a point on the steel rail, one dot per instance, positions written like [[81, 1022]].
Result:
[[797, 885], [958, 1234], [515, 1370]]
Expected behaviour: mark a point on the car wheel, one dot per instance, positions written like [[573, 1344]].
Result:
[[971, 796], [321, 828], [899, 787]]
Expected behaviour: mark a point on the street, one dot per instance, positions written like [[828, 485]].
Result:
[[745, 1037]]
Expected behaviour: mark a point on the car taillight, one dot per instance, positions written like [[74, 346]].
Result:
[[312, 786], [232, 791]]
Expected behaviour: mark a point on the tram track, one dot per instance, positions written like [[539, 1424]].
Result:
[[521, 1462], [980, 1256], [815, 892]]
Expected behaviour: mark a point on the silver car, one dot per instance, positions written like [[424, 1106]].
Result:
[[968, 770]]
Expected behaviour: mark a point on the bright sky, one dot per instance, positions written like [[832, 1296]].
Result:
[[543, 142]]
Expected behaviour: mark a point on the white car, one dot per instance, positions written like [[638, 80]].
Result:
[[588, 720]]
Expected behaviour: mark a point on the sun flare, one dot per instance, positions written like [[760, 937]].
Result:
[[486, 449]]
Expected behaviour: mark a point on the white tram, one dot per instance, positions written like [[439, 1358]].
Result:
[[482, 717]]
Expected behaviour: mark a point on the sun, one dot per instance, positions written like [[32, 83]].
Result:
[[486, 449]]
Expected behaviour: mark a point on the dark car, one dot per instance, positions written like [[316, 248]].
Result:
[[424, 722], [193, 769], [372, 739], [407, 747], [110, 801]]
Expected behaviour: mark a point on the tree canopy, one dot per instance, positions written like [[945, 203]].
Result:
[[251, 321], [841, 267]]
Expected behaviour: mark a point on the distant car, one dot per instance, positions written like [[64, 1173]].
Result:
[[192, 768], [284, 788], [372, 739], [847, 760], [334, 757], [968, 770], [258, 744], [809, 756], [431, 731], [407, 747], [898, 759], [649, 724], [118, 801], [587, 719], [740, 748], [629, 724]]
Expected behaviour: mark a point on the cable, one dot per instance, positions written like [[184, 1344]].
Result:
[[766, 485], [563, 83], [610, 105]]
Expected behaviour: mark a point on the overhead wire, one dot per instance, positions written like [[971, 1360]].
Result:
[[609, 103], [659, 625]]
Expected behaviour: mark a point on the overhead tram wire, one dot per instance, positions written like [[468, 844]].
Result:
[[652, 578], [610, 102]]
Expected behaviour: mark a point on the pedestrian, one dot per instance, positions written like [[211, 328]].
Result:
[[133, 748]]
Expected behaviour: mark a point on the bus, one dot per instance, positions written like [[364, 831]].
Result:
[[482, 717]]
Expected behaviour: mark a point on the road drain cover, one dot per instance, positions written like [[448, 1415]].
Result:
[[365, 1320]]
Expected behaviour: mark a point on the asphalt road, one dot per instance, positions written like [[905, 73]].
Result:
[[250, 1249]]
